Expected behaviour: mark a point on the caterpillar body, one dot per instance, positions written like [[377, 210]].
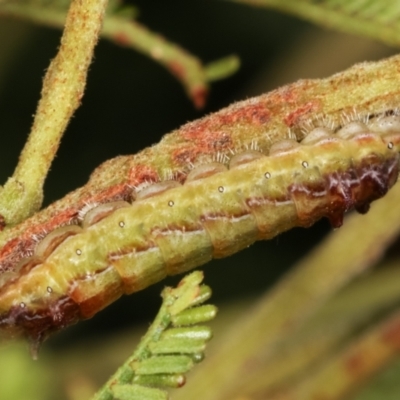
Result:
[[88, 249]]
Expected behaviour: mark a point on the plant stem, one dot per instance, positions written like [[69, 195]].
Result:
[[62, 91], [186, 67]]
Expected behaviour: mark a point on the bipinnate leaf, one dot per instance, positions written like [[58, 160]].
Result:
[[173, 344]]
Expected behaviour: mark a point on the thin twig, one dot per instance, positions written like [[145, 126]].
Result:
[[127, 32]]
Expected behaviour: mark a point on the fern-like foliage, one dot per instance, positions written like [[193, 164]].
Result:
[[378, 19], [173, 344]]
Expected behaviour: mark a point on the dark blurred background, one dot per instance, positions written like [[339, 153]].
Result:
[[131, 101]]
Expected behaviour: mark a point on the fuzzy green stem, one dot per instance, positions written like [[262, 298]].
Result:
[[62, 91]]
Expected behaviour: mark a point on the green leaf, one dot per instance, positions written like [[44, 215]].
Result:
[[135, 392], [166, 352], [378, 19]]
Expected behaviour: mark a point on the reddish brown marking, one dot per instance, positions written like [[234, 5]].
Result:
[[208, 143], [13, 251], [295, 116], [53, 315], [310, 201], [122, 39], [290, 94], [391, 334], [355, 187], [27, 266], [211, 142], [355, 363], [255, 114], [199, 96], [121, 191], [177, 69], [181, 381], [185, 155], [89, 306], [376, 178], [142, 173]]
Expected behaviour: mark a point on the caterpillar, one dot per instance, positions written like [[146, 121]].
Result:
[[203, 192]]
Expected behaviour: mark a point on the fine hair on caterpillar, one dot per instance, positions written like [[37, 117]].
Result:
[[220, 195]]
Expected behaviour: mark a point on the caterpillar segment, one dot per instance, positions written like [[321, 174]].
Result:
[[121, 247]]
